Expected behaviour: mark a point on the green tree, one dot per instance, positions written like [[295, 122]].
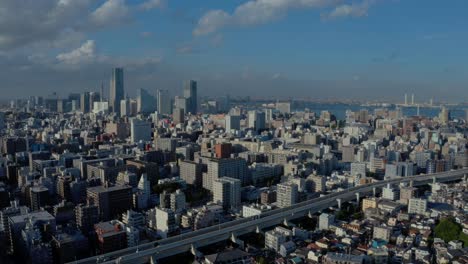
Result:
[[448, 230]]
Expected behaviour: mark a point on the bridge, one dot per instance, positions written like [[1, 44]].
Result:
[[151, 252]]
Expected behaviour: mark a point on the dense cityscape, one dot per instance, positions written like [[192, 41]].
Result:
[[98, 177]]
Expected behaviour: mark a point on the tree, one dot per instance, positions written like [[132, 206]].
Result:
[[448, 230]]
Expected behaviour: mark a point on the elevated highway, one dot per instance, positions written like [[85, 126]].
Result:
[[153, 251]]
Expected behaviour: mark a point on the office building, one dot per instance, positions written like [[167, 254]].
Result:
[[140, 130], [111, 201], [283, 107], [227, 192], [164, 102], [190, 93], [86, 216], [232, 122], [223, 150], [117, 92], [39, 197], [178, 116], [146, 103], [316, 184], [407, 193], [286, 194], [85, 107], [191, 172], [177, 201], [256, 120], [232, 167]]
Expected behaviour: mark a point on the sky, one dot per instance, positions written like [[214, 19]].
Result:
[[318, 49]]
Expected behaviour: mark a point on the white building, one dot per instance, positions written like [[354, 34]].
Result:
[[390, 193], [165, 221], [325, 221], [227, 191], [286, 194], [417, 206], [274, 238]]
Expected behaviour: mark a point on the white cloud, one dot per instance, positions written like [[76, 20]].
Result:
[[85, 53], [111, 12], [30, 21], [153, 4], [349, 10], [253, 12]]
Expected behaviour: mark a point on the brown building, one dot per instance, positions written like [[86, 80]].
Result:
[[111, 236], [268, 197], [223, 150]]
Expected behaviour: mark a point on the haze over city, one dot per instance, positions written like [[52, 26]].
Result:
[[377, 49]]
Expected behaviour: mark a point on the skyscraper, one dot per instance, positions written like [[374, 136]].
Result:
[[145, 102], [190, 93], [84, 102], [164, 102], [116, 93]]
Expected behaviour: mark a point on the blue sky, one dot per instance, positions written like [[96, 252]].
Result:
[[376, 49]]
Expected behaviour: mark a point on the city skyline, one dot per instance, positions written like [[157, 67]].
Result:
[[314, 48]]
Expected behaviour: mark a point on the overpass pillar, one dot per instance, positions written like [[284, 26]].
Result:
[[236, 240], [357, 197], [411, 183], [195, 252], [339, 203], [258, 230], [374, 191], [153, 260], [434, 179], [465, 177]]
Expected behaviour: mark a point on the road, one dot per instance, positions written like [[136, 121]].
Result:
[[210, 235]]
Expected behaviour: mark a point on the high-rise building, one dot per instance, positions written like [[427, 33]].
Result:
[[111, 201], [190, 93], [177, 201], [178, 115], [116, 93], [232, 123], [227, 192], [86, 216], [232, 167], [39, 197], [146, 102], [164, 102], [256, 120], [223, 150], [140, 130], [286, 194], [85, 107], [191, 172]]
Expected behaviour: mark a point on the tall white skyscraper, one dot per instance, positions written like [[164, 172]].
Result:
[[116, 93], [164, 102]]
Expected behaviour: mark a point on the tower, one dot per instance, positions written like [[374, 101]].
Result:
[[412, 99], [190, 93], [116, 93], [406, 99]]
